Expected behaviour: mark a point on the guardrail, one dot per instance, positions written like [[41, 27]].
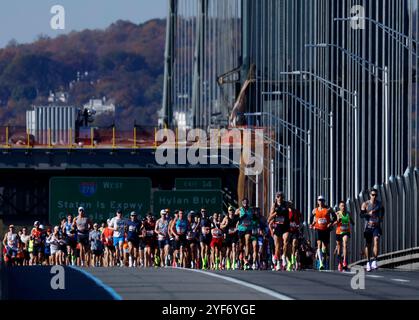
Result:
[[15, 137], [394, 259]]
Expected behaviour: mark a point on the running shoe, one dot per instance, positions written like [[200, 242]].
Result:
[[289, 266], [374, 265], [345, 265], [368, 267], [340, 267], [228, 264], [254, 266]]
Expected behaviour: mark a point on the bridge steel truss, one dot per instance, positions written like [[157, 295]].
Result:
[[352, 84]]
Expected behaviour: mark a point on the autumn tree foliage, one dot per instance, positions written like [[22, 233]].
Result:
[[125, 63]]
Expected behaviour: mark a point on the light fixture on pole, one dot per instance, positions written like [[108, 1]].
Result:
[[361, 61], [283, 150], [354, 105], [390, 31]]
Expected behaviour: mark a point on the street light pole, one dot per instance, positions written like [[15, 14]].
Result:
[[356, 133], [272, 180], [331, 159], [390, 31], [361, 61], [257, 189], [309, 176], [386, 124], [289, 172], [334, 87]]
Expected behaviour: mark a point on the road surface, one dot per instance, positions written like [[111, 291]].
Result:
[[180, 284]]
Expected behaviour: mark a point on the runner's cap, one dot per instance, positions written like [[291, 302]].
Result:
[[231, 208], [321, 198], [163, 212], [37, 223], [133, 214], [81, 209]]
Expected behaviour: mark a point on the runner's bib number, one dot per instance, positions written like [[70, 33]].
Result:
[[323, 221], [232, 231], [344, 228], [279, 220], [373, 221], [245, 223], [293, 225], [181, 230], [217, 233], [150, 233]]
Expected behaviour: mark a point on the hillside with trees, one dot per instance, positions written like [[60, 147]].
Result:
[[125, 63]]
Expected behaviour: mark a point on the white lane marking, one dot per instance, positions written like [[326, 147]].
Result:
[[98, 282], [268, 292], [373, 276], [401, 280]]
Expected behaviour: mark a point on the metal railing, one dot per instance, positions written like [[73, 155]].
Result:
[[15, 137], [400, 198]]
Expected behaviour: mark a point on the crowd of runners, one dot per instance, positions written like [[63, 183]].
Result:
[[242, 239]]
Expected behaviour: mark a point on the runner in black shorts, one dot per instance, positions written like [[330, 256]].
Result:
[[83, 226], [323, 218], [192, 239], [279, 219], [133, 231], [296, 219], [229, 226], [205, 238], [244, 227], [373, 213], [179, 229], [149, 239]]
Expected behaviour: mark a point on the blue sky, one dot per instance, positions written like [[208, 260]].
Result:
[[24, 20]]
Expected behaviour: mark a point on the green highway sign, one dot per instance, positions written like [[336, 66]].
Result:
[[188, 200], [198, 184], [100, 197]]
